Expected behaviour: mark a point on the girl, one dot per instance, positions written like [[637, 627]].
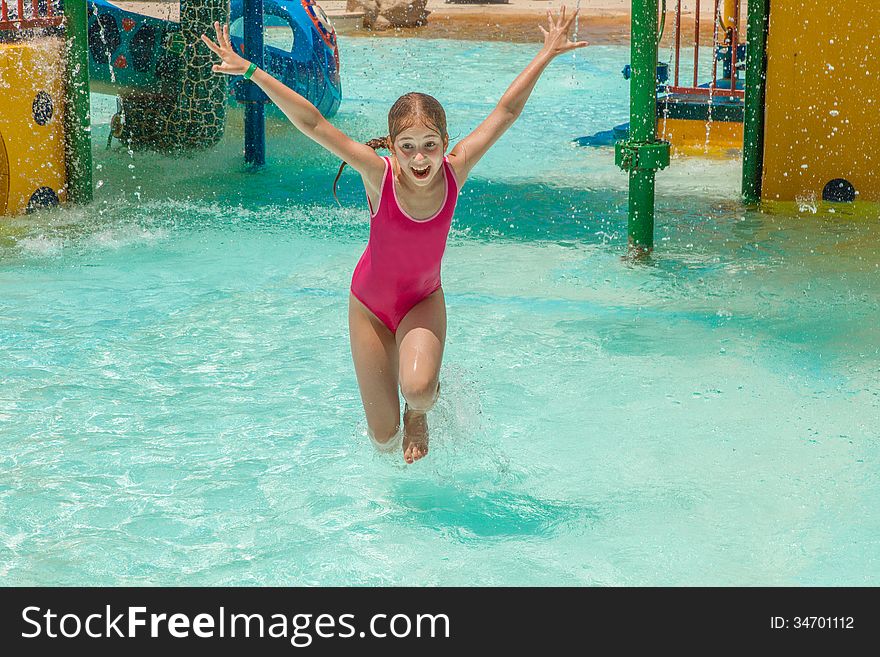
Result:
[[397, 312]]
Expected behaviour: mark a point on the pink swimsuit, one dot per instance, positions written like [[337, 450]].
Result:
[[401, 264]]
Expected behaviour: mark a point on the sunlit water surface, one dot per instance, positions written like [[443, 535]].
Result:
[[178, 403]]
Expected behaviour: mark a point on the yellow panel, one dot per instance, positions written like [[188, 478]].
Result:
[[823, 98], [4, 193], [34, 153], [721, 139]]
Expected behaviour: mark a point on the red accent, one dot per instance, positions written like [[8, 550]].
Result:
[[120, 62], [729, 38], [706, 91], [697, 41], [329, 38], [241, 47], [734, 41], [127, 24], [714, 58], [677, 38], [21, 23]]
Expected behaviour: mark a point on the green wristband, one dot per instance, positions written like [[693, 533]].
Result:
[[248, 73]]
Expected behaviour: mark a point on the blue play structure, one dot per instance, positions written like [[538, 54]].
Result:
[[311, 65], [133, 53]]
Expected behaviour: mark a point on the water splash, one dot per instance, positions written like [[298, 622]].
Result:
[[577, 17]]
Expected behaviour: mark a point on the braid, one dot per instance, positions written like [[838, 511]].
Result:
[[375, 144], [380, 142]]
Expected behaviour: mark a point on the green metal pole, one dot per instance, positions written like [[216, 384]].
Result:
[[640, 227], [643, 119], [642, 154], [753, 120], [77, 126]]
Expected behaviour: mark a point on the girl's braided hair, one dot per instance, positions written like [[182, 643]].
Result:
[[407, 110]]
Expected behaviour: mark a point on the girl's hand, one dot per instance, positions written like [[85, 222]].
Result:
[[556, 38], [232, 63]]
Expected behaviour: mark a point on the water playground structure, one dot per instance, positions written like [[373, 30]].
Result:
[[790, 88], [795, 93], [52, 54]]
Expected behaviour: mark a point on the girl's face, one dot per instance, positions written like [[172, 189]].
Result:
[[419, 151]]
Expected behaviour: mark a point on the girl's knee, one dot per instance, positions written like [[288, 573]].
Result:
[[420, 395]]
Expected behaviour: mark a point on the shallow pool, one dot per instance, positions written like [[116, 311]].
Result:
[[178, 404]]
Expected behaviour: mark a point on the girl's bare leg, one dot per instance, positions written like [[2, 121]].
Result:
[[375, 356], [421, 337]]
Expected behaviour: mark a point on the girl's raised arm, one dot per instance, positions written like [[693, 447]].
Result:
[[300, 111], [469, 150]]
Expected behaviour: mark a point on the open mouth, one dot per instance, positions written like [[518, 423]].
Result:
[[421, 174]]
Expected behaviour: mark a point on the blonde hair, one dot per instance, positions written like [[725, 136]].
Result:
[[407, 110]]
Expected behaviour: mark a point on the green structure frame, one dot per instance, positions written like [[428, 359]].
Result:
[[642, 154], [753, 118], [77, 117]]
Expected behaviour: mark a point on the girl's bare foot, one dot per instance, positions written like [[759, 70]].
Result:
[[415, 434]]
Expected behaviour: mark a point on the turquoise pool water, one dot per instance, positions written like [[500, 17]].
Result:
[[178, 403]]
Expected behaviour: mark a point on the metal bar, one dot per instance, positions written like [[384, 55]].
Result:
[[753, 117], [255, 110], [705, 91], [15, 24], [714, 82], [20, 22], [696, 43], [77, 125], [677, 37], [734, 38], [643, 123]]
